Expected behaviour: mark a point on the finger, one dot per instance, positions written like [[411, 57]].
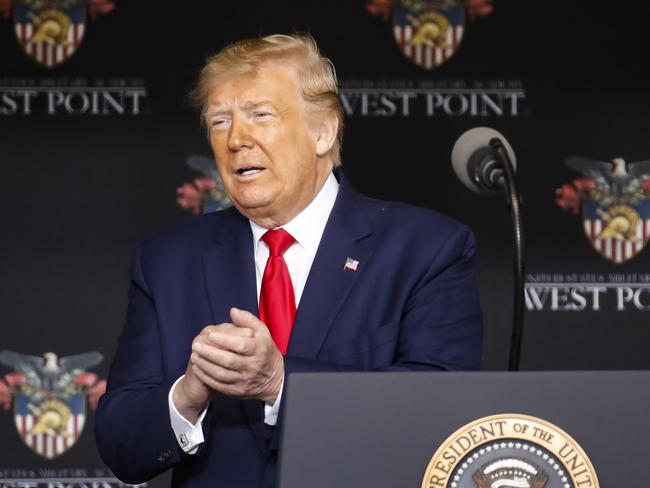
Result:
[[213, 371], [237, 344], [232, 329], [220, 357], [243, 318], [206, 379], [204, 336], [232, 390], [227, 327]]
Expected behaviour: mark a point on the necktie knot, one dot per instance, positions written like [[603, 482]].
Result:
[[278, 241]]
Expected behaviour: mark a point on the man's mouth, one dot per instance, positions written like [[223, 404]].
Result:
[[249, 170]]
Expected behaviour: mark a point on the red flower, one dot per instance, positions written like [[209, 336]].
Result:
[[478, 8], [380, 8], [190, 196], [5, 8], [8, 387], [98, 7], [570, 196], [93, 387], [475, 8], [584, 185]]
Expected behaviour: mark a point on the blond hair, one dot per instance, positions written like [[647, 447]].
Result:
[[316, 74]]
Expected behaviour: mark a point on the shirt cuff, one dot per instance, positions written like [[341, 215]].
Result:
[[189, 436], [271, 411]]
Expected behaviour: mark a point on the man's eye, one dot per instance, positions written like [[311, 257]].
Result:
[[262, 115], [218, 123]]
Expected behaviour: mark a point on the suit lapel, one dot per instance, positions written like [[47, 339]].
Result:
[[229, 270], [347, 235]]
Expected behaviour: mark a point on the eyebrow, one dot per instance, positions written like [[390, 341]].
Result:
[[219, 110], [256, 104]]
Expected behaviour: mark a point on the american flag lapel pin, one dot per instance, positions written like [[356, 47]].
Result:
[[351, 264]]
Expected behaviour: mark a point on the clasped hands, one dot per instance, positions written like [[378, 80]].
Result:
[[237, 359]]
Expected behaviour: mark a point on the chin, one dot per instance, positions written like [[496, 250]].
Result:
[[253, 206]]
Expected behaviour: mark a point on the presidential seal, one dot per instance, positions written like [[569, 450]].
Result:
[[510, 451]]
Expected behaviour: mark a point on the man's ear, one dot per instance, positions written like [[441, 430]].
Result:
[[326, 132]]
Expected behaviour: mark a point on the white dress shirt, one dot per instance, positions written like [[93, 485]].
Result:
[[307, 229]]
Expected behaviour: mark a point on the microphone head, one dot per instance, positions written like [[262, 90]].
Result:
[[471, 143]]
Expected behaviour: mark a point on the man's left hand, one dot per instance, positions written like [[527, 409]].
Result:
[[240, 367]]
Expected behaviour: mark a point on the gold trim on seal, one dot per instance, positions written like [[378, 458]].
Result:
[[510, 426]]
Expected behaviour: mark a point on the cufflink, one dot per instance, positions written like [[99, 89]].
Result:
[[183, 440]]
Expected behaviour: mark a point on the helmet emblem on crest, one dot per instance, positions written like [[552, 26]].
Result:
[[614, 198], [49, 397], [51, 31]]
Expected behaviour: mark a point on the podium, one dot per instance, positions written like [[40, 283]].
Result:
[[384, 430]]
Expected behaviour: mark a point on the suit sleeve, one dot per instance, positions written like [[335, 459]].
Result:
[[442, 326], [132, 425]]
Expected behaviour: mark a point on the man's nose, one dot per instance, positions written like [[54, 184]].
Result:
[[239, 136]]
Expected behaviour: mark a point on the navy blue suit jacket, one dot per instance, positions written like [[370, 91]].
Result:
[[411, 304]]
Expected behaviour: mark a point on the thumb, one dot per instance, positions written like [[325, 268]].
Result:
[[243, 318]]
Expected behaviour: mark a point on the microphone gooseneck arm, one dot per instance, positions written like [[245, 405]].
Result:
[[514, 202]]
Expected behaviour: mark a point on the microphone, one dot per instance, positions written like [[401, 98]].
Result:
[[484, 161], [478, 159]]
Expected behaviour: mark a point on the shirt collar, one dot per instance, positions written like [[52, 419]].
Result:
[[308, 226]]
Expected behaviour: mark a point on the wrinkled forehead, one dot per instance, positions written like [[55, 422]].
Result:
[[269, 79]]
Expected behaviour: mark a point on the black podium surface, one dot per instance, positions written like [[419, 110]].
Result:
[[381, 429]]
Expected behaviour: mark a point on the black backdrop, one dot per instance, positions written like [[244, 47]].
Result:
[[80, 190]]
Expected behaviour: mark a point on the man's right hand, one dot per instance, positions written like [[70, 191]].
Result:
[[191, 396]]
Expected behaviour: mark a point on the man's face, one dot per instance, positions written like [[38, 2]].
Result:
[[264, 148]]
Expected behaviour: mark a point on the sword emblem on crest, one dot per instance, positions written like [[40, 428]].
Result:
[[429, 32], [614, 198], [49, 397], [51, 31]]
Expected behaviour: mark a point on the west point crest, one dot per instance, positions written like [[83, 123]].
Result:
[[614, 198], [49, 398], [51, 31], [429, 32]]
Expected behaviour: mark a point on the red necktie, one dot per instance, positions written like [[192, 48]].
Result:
[[277, 301]]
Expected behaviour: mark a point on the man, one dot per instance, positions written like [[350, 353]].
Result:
[[303, 274]]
